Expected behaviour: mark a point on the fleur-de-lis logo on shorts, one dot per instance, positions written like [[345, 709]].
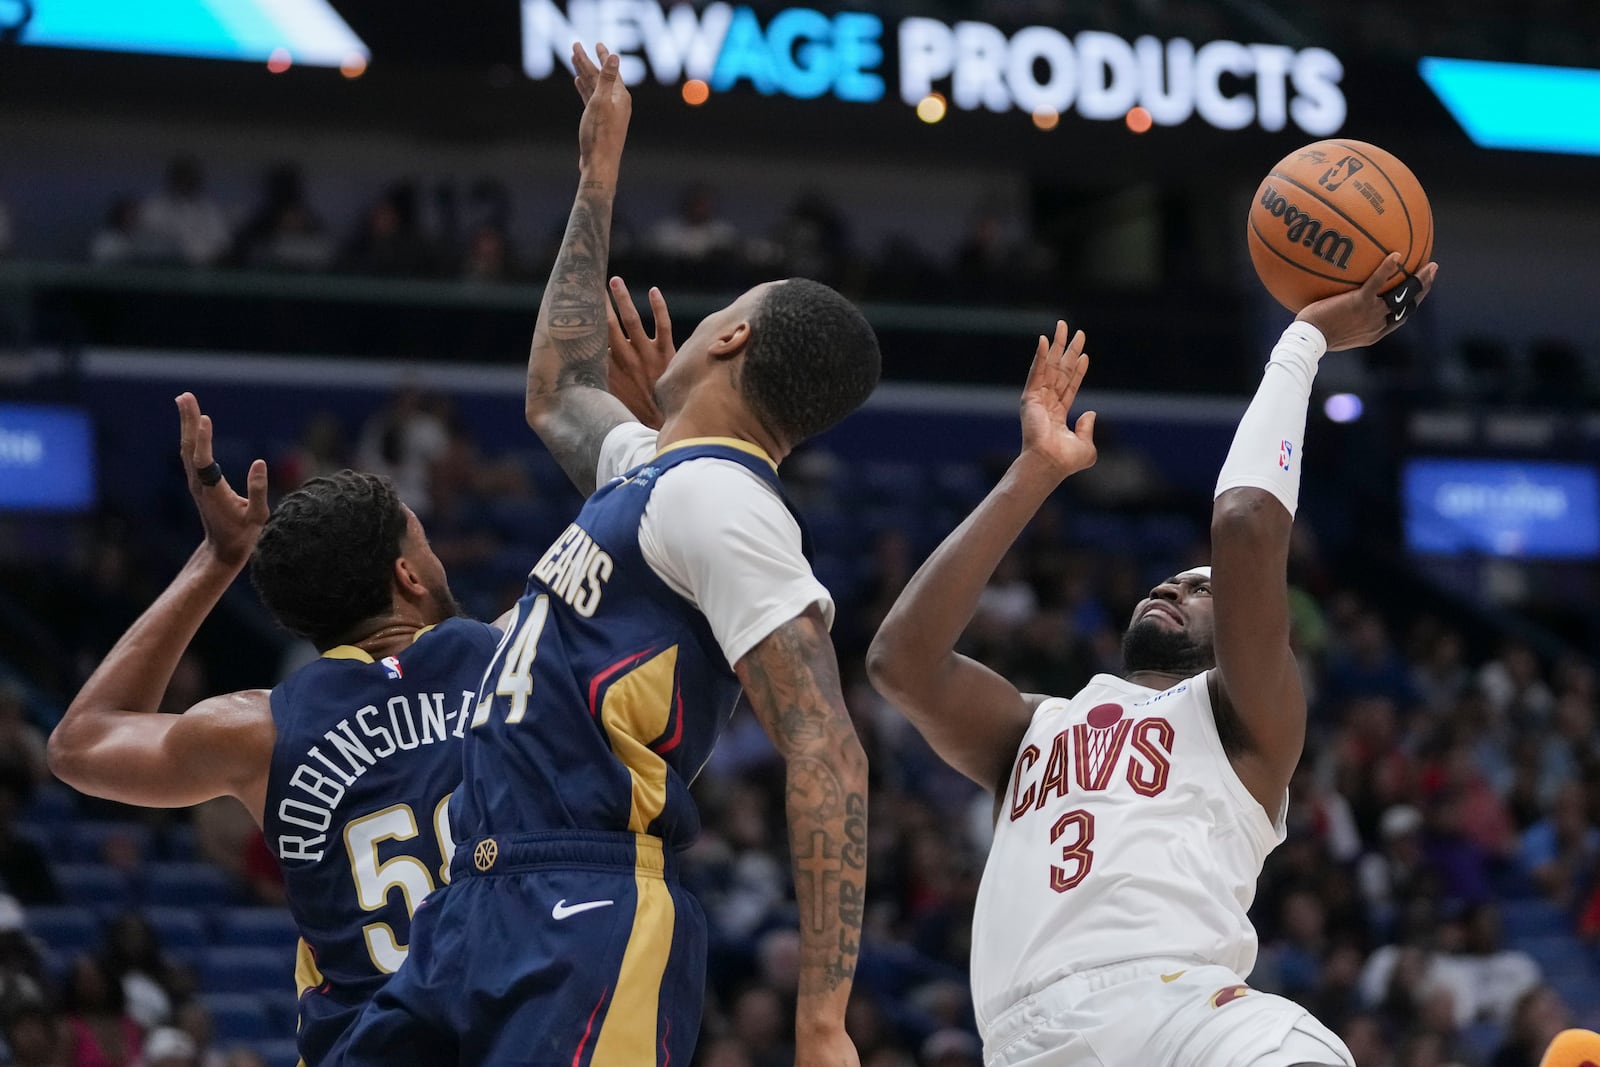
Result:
[[485, 854]]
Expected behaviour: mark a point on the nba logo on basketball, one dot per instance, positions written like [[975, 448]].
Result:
[[391, 666], [1285, 450]]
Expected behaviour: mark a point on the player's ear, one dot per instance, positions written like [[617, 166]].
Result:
[[730, 342], [408, 583]]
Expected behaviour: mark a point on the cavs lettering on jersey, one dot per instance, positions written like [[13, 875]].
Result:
[[605, 698], [366, 757], [1124, 833]]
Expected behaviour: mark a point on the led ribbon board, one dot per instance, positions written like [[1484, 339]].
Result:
[[311, 31], [1519, 106]]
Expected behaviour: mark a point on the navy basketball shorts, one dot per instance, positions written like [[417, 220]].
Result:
[[569, 949]]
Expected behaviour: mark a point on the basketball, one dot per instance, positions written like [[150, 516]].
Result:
[[1327, 214]]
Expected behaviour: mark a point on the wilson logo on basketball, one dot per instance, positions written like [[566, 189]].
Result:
[[1327, 244]]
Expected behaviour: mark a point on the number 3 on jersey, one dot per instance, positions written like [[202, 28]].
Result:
[[516, 659], [1077, 855]]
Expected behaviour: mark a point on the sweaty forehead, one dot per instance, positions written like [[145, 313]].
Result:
[[1193, 574]]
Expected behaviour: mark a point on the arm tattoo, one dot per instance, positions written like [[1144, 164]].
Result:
[[567, 364], [792, 680]]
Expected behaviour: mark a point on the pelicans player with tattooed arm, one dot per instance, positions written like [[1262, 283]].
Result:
[[1132, 820], [565, 936], [347, 765]]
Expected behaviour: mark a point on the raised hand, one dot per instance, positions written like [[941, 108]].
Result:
[[607, 107], [637, 359], [1360, 317], [1053, 381], [232, 523]]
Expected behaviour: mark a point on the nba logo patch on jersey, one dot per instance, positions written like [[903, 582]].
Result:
[[1285, 451], [391, 666]]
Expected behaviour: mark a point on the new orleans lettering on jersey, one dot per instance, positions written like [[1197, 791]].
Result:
[[605, 697], [366, 757]]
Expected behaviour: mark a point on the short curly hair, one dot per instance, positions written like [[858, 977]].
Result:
[[325, 559], [811, 360]]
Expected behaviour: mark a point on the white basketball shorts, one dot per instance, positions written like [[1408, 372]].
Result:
[[1158, 1013]]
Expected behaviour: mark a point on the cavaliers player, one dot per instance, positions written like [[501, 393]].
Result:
[[348, 764], [1134, 817], [565, 936]]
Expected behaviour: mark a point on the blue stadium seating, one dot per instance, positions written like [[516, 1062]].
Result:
[[92, 885], [237, 1017], [257, 927], [67, 930], [1533, 918], [181, 930], [178, 844], [50, 805], [192, 884], [1556, 953], [246, 970], [89, 839], [278, 1053]]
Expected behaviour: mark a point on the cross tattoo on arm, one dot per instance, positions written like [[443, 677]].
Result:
[[822, 871]]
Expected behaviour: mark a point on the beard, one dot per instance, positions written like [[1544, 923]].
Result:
[[1149, 646], [445, 602]]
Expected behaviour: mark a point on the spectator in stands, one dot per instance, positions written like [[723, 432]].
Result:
[[22, 978], [1364, 1036], [404, 441], [1398, 871], [762, 1026], [813, 240], [33, 1036], [1515, 687], [21, 743], [24, 868], [284, 233], [391, 241], [488, 256], [952, 1048], [1368, 665], [169, 1047], [1559, 851], [182, 222], [321, 450], [195, 1021], [133, 958], [119, 239], [1487, 978], [100, 1031], [696, 234], [1538, 1017], [1440, 676]]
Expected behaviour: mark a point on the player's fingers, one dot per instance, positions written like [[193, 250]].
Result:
[[1058, 342], [1078, 372], [1084, 431], [188, 424], [202, 457], [608, 74], [581, 61], [658, 308], [1426, 276], [627, 311], [256, 488], [1036, 370], [1381, 277], [601, 52], [621, 350], [1075, 349]]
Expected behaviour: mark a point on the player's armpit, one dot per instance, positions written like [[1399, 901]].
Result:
[[1257, 676], [792, 680], [221, 746]]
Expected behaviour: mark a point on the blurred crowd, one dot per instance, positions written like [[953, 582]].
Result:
[[413, 231], [1437, 901]]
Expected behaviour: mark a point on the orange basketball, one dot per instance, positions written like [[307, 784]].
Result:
[[1328, 213]]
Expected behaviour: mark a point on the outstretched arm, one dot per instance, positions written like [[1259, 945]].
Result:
[[1257, 681], [972, 717], [109, 743], [792, 680], [567, 403]]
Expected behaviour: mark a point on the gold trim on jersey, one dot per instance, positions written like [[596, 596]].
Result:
[[361, 654], [726, 442], [628, 1034], [636, 711], [307, 976]]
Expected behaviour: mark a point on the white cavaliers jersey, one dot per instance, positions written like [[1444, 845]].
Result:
[[1124, 834]]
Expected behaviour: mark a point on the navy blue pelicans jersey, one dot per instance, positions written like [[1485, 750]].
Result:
[[366, 757], [607, 694]]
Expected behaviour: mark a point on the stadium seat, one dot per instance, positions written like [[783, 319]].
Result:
[[278, 1053], [237, 1017], [246, 970], [178, 845], [1533, 918], [1486, 1036], [1559, 953], [178, 929], [89, 840], [68, 930], [257, 928], [92, 885], [193, 884], [50, 805]]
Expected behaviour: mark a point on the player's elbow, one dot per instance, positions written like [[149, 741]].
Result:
[[889, 667], [1248, 514], [537, 410], [65, 754]]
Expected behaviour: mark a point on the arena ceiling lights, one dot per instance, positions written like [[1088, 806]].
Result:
[[310, 31]]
